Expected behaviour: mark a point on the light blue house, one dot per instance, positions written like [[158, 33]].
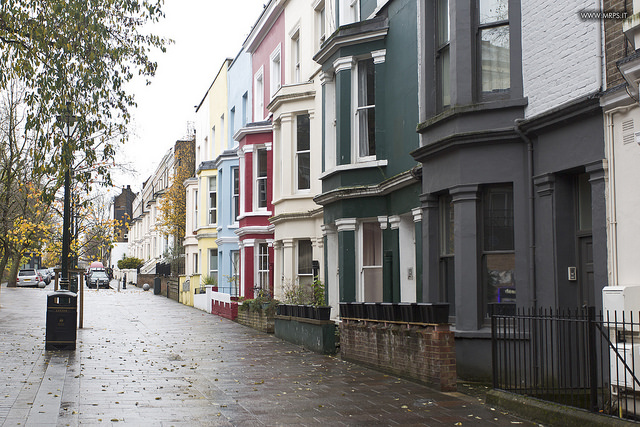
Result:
[[239, 102]]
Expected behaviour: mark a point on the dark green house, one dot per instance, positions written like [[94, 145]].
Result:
[[370, 182]]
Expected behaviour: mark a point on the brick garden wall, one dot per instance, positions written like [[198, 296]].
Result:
[[423, 353], [228, 310], [256, 320]]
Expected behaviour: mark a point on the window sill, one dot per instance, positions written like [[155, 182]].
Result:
[[354, 166], [470, 108]]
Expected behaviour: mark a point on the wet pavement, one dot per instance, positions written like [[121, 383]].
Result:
[[145, 360]]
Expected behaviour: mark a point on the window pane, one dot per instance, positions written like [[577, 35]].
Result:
[[304, 171], [499, 270], [213, 260], [366, 116], [212, 183], [498, 219], [303, 132], [493, 11], [443, 21], [262, 193], [446, 225], [305, 255], [444, 77], [262, 162], [495, 60], [371, 244]]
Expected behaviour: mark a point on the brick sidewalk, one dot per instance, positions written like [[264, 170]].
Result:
[[145, 360]]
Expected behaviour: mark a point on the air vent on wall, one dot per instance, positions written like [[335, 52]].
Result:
[[627, 132]]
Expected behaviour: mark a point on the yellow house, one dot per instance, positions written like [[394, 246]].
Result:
[[202, 212]]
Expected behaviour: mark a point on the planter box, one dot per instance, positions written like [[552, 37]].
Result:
[[439, 313], [408, 312], [322, 313], [345, 309], [359, 310]]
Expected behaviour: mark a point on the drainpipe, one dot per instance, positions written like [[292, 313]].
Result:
[[600, 47], [612, 234], [530, 207]]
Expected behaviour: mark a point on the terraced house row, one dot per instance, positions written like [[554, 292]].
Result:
[[416, 150]]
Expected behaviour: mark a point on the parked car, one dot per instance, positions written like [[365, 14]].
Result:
[[30, 277], [46, 276], [98, 278]]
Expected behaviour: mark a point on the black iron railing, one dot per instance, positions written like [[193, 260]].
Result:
[[572, 357]]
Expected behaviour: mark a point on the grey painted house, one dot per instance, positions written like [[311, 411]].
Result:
[[511, 146]]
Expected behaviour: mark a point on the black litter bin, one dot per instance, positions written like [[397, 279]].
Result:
[[62, 309], [157, 286]]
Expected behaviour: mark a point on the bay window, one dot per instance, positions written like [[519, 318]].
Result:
[[366, 109], [494, 47], [303, 153]]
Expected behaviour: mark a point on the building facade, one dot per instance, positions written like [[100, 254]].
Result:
[[370, 183], [255, 143], [511, 146], [297, 127]]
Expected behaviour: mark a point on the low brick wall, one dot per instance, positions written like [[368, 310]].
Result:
[[314, 335], [256, 320], [227, 310], [425, 353]]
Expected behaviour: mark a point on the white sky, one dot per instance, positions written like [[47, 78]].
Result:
[[205, 33]]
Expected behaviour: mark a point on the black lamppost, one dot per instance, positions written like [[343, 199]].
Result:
[[68, 122]]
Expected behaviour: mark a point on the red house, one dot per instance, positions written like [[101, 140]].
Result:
[[266, 46]]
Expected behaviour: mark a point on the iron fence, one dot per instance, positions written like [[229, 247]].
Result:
[[572, 357]]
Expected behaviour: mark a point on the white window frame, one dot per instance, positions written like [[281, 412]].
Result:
[[258, 91], [275, 61], [232, 126], [295, 56], [320, 23], [360, 239], [212, 192], [195, 210], [354, 8], [212, 272], [235, 196], [299, 153], [262, 273], [357, 110], [257, 179], [304, 278]]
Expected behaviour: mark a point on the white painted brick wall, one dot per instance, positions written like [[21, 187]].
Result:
[[559, 53]]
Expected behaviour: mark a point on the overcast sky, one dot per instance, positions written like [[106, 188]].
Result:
[[205, 33]]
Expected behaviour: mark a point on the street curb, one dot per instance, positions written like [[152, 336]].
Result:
[[549, 413]]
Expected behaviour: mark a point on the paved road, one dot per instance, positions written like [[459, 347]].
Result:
[[144, 360]]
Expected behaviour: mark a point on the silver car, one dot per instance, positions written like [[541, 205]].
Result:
[[98, 278], [30, 277]]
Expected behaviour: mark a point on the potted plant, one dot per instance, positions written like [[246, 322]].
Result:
[[321, 310], [208, 281]]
